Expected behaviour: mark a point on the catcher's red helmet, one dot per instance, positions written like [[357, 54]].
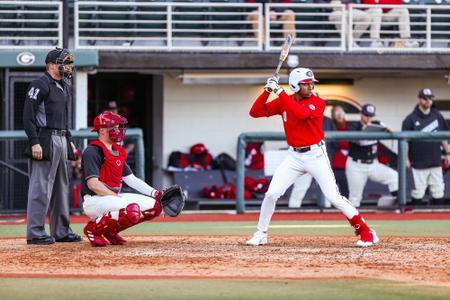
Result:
[[108, 119]]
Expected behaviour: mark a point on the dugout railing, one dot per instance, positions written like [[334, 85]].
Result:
[[402, 139], [13, 164]]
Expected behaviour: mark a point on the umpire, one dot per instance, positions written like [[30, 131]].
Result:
[[45, 120]]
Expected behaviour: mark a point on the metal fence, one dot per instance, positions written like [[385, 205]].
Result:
[[205, 26], [401, 137], [167, 26], [226, 26], [398, 28], [30, 24], [13, 168]]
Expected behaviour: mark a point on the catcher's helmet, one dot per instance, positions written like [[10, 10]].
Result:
[[300, 75], [109, 119]]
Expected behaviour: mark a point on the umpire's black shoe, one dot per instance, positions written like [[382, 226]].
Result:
[[70, 238], [42, 240]]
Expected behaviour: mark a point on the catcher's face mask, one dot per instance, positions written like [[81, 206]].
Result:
[[117, 133], [114, 123]]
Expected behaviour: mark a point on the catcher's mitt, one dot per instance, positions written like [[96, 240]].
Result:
[[172, 200]]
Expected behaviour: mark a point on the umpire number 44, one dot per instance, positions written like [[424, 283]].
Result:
[[33, 93]]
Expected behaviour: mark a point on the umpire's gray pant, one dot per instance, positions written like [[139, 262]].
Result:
[[49, 191]]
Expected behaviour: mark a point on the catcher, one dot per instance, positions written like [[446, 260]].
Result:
[[104, 167]]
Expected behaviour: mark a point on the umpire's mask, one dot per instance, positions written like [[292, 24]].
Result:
[[64, 59]]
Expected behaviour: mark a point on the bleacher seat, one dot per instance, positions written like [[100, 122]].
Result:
[[156, 16], [226, 14], [188, 21]]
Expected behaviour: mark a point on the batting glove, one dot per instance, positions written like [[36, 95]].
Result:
[[275, 78], [272, 86]]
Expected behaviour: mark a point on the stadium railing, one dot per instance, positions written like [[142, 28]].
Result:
[[401, 137], [166, 26], [228, 26], [429, 27], [314, 31], [30, 24]]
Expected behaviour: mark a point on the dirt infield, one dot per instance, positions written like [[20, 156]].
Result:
[[414, 259]]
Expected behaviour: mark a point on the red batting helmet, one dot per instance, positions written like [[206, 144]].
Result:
[[108, 119]]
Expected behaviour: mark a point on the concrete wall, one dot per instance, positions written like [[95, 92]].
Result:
[[217, 114]]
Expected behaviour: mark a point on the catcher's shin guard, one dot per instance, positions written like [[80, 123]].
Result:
[[128, 217], [151, 213], [368, 237]]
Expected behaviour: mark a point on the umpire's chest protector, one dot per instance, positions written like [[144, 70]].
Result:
[[112, 168]]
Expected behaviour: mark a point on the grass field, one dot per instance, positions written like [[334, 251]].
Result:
[[72, 289], [210, 288], [328, 228]]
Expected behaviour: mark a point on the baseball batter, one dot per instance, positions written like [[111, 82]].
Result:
[[302, 115]]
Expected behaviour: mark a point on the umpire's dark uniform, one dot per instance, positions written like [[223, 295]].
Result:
[[45, 119]]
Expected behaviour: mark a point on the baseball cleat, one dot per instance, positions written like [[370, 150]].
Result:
[[368, 239], [258, 238], [94, 238]]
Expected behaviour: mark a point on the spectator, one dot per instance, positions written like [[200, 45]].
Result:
[[302, 184], [397, 14], [287, 17], [425, 157], [362, 19], [363, 164], [339, 159]]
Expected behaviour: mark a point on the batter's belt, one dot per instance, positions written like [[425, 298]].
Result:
[[308, 148]]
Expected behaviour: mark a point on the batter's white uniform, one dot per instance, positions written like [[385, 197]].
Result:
[[314, 162]]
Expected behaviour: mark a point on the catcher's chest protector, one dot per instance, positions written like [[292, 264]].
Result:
[[111, 170]]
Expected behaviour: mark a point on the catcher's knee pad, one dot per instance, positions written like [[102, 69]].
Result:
[[129, 215], [152, 212]]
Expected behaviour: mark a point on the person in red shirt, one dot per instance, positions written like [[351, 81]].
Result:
[[302, 115]]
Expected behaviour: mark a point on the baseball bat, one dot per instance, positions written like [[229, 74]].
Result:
[[284, 53]]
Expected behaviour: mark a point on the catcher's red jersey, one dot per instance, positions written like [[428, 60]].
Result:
[[302, 119]]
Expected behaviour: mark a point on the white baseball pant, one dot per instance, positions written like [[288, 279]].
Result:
[[314, 162], [97, 206], [358, 173], [301, 186], [424, 177]]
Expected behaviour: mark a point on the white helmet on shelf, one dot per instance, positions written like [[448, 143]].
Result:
[[300, 75]]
